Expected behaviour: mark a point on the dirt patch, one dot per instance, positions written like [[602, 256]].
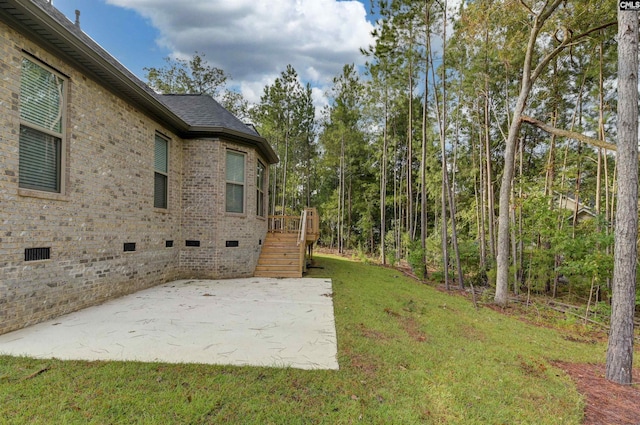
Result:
[[607, 403], [364, 363], [372, 333], [409, 325], [532, 367], [412, 328]]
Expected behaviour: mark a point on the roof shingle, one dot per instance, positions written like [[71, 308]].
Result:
[[201, 110], [189, 115]]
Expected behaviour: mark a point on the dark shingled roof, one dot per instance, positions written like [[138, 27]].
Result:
[[201, 110], [46, 25]]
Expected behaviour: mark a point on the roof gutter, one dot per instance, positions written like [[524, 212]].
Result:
[[42, 26], [260, 142], [49, 29]]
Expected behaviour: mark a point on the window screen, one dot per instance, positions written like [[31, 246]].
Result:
[[39, 160], [161, 178], [235, 182], [41, 127], [260, 181]]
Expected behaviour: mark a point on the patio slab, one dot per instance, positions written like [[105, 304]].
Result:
[[251, 321]]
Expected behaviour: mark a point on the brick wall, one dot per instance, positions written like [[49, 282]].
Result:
[[107, 202], [204, 197]]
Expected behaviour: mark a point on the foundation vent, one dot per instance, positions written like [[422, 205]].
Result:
[[35, 254]]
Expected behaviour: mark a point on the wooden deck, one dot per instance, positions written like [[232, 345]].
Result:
[[284, 250]]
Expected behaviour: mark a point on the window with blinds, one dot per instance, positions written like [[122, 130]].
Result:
[[41, 127], [161, 174], [260, 180], [235, 182]]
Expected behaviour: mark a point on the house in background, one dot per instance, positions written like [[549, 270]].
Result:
[[579, 210], [106, 187]]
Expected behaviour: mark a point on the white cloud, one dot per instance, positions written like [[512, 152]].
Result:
[[254, 40], [252, 90], [320, 100]]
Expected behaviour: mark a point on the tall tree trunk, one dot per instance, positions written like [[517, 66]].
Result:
[[349, 211], [518, 228], [396, 207], [274, 183], [284, 169], [502, 258], [620, 349], [444, 193], [576, 191], [447, 185], [423, 159], [383, 180], [489, 175], [341, 197], [482, 210], [528, 78], [410, 142], [445, 245], [601, 133]]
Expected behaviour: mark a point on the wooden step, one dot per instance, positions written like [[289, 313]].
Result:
[[278, 261], [282, 236], [277, 274], [280, 256], [276, 267], [268, 249]]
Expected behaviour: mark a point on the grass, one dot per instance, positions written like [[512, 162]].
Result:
[[408, 353]]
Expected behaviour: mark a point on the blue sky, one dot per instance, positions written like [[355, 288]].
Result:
[[252, 40]]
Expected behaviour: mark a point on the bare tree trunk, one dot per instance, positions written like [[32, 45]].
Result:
[[514, 246], [482, 227], [396, 207], [576, 194], [349, 212], [489, 176], [600, 132], [423, 164], [447, 185], [620, 348], [445, 245], [444, 194], [410, 142], [341, 197], [528, 78], [502, 258], [284, 169], [383, 182], [274, 184], [489, 212]]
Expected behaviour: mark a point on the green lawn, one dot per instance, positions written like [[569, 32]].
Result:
[[408, 354]]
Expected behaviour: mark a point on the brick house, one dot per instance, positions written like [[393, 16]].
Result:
[[107, 187]]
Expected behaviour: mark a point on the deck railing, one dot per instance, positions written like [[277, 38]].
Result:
[[307, 223], [306, 226]]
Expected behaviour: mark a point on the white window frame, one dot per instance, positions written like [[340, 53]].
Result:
[[242, 184], [60, 137], [261, 210], [161, 172]]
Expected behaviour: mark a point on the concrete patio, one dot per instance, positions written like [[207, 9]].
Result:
[[252, 321]]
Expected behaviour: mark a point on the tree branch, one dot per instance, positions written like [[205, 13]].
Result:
[[564, 44], [569, 134], [526, 6]]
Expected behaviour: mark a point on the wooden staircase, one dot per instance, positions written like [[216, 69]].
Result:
[[281, 256], [283, 251]]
